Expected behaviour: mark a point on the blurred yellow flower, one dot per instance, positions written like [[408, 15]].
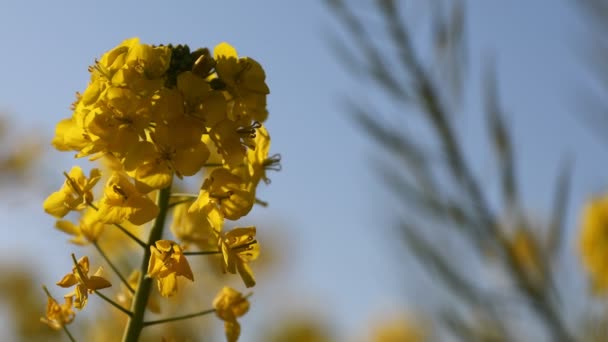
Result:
[[400, 329], [87, 231], [230, 304], [239, 247], [125, 296], [75, 194], [85, 284], [200, 228], [528, 256], [166, 263], [58, 315], [593, 244]]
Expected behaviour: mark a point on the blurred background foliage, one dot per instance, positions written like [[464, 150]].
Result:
[[494, 262]]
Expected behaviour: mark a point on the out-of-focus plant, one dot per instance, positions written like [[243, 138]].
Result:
[[19, 154], [155, 115], [420, 73]]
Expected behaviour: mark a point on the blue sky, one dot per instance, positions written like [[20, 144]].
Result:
[[326, 203]]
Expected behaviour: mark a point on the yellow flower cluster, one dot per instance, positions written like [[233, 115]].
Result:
[[159, 112], [593, 242]]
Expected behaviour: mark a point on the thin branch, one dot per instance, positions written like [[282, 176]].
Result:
[[113, 267], [179, 318]]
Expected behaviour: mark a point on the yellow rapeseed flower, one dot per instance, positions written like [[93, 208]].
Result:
[[230, 304], [177, 149], [167, 261], [593, 244], [239, 247], [75, 194], [228, 191], [201, 229], [58, 315], [87, 231], [122, 202], [244, 80], [528, 256], [85, 284]]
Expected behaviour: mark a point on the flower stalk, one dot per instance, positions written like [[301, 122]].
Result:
[[136, 322]]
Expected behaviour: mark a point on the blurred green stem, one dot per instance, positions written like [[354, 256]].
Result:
[[136, 322]]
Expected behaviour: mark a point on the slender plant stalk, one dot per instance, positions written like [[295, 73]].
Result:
[[123, 229], [138, 308], [114, 304], [113, 267], [67, 332], [179, 318]]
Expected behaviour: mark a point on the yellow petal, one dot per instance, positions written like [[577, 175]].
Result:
[[224, 50], [55, 204], [68, 280], [246, 274]]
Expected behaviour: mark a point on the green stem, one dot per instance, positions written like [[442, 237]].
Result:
[[67, 332], [129, 234], [124, 230], [136, 322], [124, 281], [179, 318], [114, 304]]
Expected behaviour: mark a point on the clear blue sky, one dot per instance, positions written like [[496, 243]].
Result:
[[326, 204]]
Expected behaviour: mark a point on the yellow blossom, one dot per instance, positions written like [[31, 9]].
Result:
[[258, 159], [58, 315], [527, 255], [75, 194], [122, 202], [119, 120], [114, 59], [88, 230], [151, 61], [233, 195], [166, 263], [177, 149], [401, 328], [200, 228], [593, 245], [200, 101], [230, 304], [85, 284], [244, 79], [239, 247], [69, 136]]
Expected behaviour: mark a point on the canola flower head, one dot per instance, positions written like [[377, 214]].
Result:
[[154, 113]]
